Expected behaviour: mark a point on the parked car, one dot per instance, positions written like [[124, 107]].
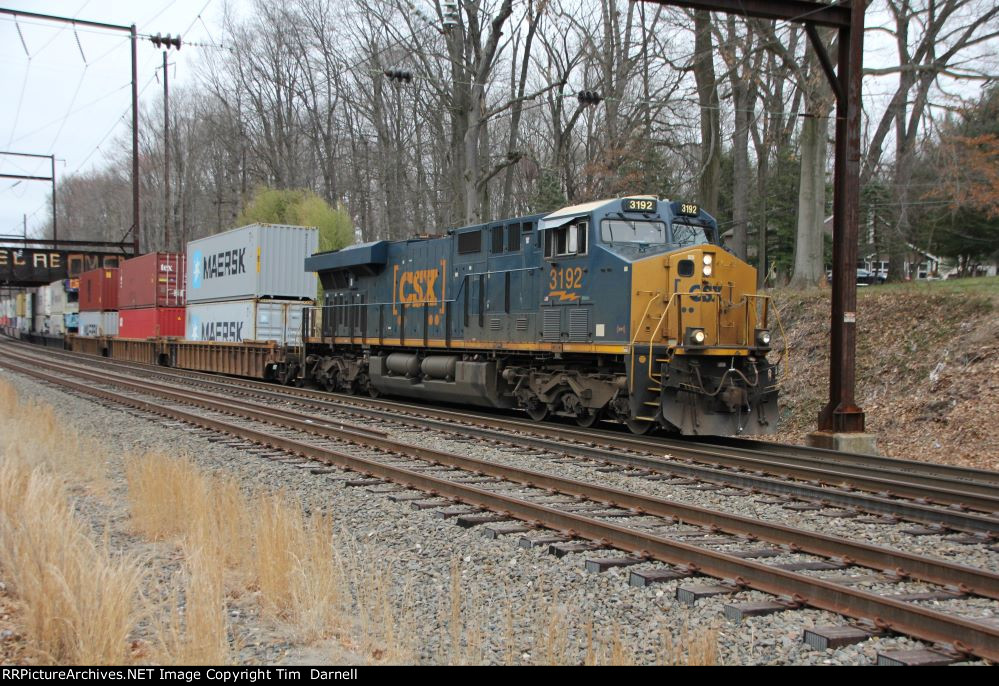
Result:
[[865, 277]]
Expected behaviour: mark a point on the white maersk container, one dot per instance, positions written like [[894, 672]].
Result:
[[98, 324], [255, 261], [247, 320]]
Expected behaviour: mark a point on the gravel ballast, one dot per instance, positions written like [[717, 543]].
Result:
[[543, 605]]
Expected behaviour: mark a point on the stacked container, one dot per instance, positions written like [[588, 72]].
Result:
[[50, 317], [249, 284], [99, 302], [151, 296]]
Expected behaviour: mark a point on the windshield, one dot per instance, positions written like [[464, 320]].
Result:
[[632, 231], [686, 235]]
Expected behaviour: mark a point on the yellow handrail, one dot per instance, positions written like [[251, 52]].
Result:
[[634, 339], [655, 333]]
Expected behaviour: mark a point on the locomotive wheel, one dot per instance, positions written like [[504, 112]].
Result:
[[373, 392], [588, 419], [638, 427], [536, 411]]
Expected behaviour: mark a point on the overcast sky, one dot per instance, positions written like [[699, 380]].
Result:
[[70, 99], [67, 92]]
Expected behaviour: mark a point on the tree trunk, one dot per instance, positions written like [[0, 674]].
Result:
[[707, 96], [808, 247]]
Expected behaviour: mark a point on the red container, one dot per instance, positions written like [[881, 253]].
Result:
[[99, 290], [153, 280], [151, 322]]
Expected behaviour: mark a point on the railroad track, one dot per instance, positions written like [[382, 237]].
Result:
[[937, 497], [590, 517]]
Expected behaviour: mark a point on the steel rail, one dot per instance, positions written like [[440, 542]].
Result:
[[964, 635], [964, 479], [911, 511], [970, 579]]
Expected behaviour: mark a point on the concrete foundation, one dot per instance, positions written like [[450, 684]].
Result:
[[865, 444]]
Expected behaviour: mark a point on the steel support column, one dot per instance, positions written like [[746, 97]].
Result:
[[841, 414]]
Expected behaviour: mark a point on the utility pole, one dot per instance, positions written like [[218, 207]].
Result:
[[133, 34], [166, 43], [51, 177], [166, 153]]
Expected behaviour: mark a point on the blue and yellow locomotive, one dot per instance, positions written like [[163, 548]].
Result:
[[625, 310]]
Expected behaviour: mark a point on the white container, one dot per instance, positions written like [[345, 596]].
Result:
[[53, 298], [55, 325], [255, 261], [246, 320], [94, 324]]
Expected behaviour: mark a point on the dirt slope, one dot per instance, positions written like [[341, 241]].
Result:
[[927, 368]]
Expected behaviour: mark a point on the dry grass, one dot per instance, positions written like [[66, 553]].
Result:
[[197, 631], [35, 435], [79, 601]]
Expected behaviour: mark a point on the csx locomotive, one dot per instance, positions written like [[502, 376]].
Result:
[[625, 310]]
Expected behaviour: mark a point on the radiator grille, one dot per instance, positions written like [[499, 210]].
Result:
[[551, 327], [579, 324]]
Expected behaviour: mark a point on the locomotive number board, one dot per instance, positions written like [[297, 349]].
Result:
[[639, 205], [689, 209]]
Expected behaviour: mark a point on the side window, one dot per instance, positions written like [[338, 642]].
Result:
[[567, 240], [497, 239], [513, 237], [469, 242]]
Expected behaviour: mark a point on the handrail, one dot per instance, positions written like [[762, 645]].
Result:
[[669, 303], [631, 374]]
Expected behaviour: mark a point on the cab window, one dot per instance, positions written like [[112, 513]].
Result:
[[566, 240], [632, 231], [687, 235]]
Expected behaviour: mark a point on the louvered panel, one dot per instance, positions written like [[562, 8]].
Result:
[[579, 324], [521, 323], [495, 323], [551, 325]]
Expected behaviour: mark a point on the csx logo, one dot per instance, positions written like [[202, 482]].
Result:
[[418, 286], [708, 295]]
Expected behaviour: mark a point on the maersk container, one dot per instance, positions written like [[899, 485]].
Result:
[[99, 290], [152, 280], [151, 322], [247, 320], [255, 261], [98, 324]]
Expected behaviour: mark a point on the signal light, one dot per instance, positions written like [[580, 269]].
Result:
[[160, 42], [399, 75], [450, 12], [588, 97]]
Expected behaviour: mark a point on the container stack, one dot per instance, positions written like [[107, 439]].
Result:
[[151, 296], [249, 284], [71, 310], [50, 317], [99, 302]]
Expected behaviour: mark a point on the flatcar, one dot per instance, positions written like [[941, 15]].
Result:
[[627, 310]]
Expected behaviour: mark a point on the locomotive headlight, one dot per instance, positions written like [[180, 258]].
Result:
[[708, 259], [695, 336], [706, 270], [763, 338]]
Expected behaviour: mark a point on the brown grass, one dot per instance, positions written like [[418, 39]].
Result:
[[79, 601], [35, 435], [197, 631]]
